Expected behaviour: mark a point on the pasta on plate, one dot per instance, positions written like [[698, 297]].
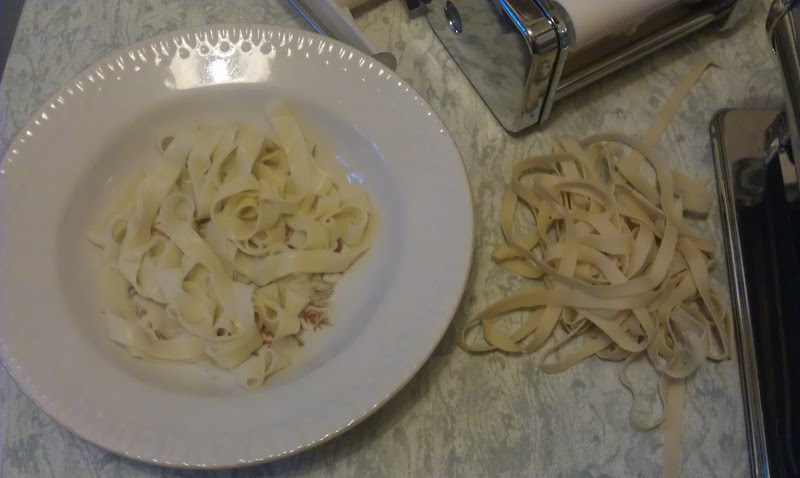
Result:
[[229, 246]]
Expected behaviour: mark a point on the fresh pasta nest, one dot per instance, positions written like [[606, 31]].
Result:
[[620, 272], [620, 265], [229, 246]]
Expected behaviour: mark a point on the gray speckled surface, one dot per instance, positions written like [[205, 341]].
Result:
[[461, 415]]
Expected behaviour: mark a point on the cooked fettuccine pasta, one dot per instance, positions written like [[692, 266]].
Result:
[[230, 244]]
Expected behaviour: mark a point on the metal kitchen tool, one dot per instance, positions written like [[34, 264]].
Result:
[[332, 19], [523, 55], [755, 154]]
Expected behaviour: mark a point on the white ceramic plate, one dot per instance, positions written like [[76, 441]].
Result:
[[389, 312]]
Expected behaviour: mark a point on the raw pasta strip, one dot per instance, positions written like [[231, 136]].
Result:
[[624, 275]]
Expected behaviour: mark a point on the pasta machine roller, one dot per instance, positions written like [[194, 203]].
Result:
[[755, 154], [523, 55]]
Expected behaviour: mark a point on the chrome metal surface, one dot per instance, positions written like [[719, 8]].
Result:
[[316, 23], [737, 141], [565, 35], [783, 25], [330, 20], [776, 136], [453, 17], [777, 11], [512, 52], [777, 147], [688, 19], [517, 54], [631, 53]]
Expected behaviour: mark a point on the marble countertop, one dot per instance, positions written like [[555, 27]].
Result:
[[462, 415]]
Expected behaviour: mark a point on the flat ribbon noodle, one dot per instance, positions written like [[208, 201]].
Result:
[[623, 275], [221, 249]]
